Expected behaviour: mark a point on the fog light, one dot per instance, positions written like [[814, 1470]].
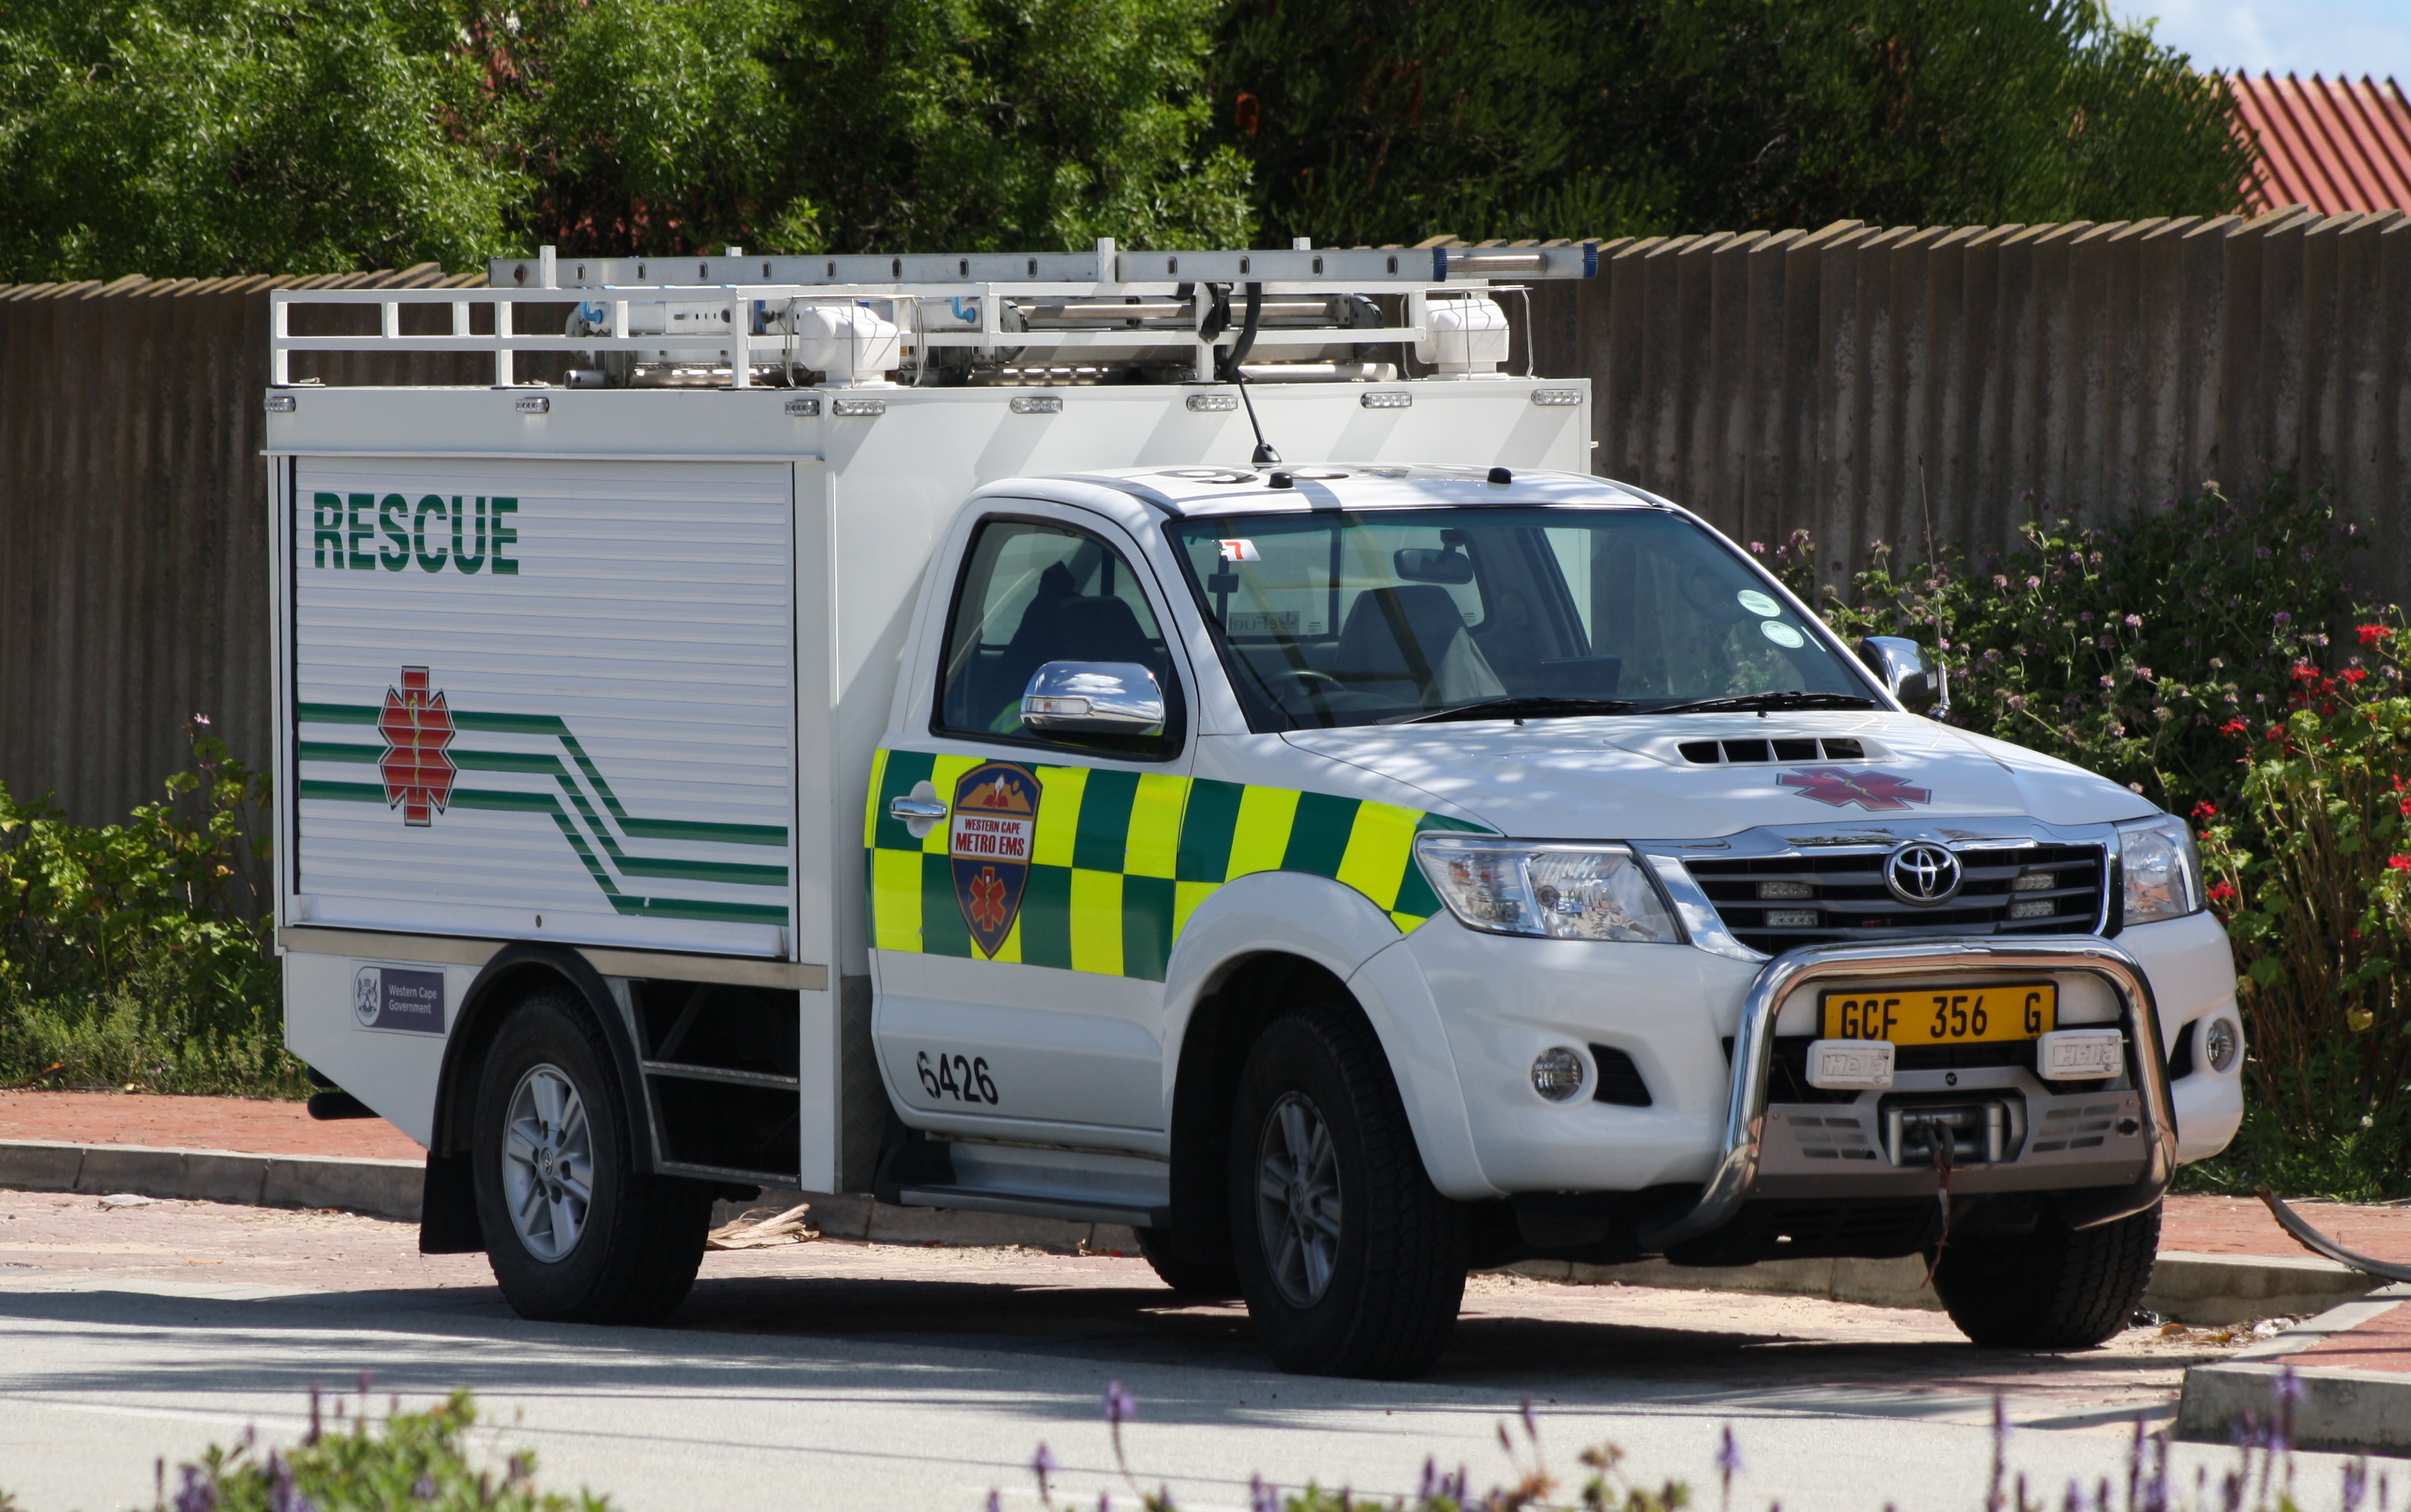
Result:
[[2034, 907], [1557, 1074], [2222, 1044]]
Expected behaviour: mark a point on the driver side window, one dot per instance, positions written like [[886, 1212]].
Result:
[[1033, 592]]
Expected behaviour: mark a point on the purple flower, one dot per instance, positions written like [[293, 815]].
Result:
[[2034, 582], [1531, 1424], [995, 1500], [423, 1489], [1262, 1497], [1727, 1453], [1119, 1408], [2084, 618], [2134, 621], [2284, 618], [2288, 1387], [1042, 1464], [1104, 1502], [196, 1492]]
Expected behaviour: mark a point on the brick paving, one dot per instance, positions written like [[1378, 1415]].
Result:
[[249, 1125]]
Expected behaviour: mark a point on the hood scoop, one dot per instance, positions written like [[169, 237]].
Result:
[[1759, 750]]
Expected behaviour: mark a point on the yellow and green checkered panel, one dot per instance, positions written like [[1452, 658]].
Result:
[[1121, 859]]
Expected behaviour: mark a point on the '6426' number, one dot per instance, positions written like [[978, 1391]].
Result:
[[965, 1080]]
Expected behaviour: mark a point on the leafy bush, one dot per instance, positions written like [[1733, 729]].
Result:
[[2312, 876], [139, 954], [412, 1460], [2189, 654]]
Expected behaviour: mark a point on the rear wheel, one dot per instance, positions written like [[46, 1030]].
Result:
[[2054, 1288], [1352, 1264], [1213, 1280], [573, 1229]]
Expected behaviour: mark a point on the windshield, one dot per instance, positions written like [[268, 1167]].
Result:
[[1336, 618]]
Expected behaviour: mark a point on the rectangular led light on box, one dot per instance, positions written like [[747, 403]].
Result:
[[808, 405], [1212, 403], [2080, 1055], [1037, 405], [858, 406], [1553, 396], [532, 404], [280, 403], [1849, 1063], [1386, 398]]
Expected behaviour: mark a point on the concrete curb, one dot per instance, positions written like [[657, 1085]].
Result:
[[383, 1189], [2342, 1409], [2192, 1288], [2189, 1287]]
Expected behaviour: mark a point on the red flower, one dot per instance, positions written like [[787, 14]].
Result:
[[2354, 674], [2235, 727], [2221, 893], [2371, 633], [2205, 811], [2399, 862]]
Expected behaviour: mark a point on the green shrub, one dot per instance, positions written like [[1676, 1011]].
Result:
[[2190, 654], [139, 954], [412, 1460]]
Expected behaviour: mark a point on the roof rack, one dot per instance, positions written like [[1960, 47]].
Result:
[[739, 321]]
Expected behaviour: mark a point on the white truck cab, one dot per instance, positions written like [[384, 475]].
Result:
[[987, 789]]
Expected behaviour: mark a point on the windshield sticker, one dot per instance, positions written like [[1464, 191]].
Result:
[[1782, 634], [996, 818], [1240, 551], [1758, 604], [1874, 791], [1269, 622]]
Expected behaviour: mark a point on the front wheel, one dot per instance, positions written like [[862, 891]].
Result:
[[575, 1232], [2054, 1288], [1352, 1264]]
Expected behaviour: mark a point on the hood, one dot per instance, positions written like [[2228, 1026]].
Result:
[[1701, 776]]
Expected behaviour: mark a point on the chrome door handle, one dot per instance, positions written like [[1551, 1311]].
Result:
[[911, 810]]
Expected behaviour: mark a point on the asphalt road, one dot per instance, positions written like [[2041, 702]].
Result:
[[830, 1374]]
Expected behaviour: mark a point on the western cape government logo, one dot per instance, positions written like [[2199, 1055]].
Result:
[[995, 820]]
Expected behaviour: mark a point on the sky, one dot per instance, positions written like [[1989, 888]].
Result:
[[2351, 37]]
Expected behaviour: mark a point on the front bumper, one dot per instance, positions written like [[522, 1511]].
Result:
[[2109, 1152]]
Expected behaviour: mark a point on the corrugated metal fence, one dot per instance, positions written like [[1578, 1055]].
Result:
[[1835, 380], [1845, 379]]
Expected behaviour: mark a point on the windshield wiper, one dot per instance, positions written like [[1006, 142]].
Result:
[[1516, 708], [1764, 702]]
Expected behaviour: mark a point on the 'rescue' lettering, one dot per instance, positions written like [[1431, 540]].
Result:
[[465, 533]]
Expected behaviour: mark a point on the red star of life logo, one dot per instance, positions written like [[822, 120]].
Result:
[[987, 900], [1868, 790], [417, 726]]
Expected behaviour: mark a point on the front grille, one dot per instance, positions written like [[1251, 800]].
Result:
[[1776, 903]]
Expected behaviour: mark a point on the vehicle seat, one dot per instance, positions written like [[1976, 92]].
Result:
[[1413, 635]]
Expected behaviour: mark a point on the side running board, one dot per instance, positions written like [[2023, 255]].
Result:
[[2319, 1244]]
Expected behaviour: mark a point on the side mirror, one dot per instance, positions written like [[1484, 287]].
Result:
[[1901, 664], [1093, 698]]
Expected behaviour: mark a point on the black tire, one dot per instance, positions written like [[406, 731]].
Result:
[[1209, 1280], [1395, 1275], [2054, 1288], [632, 1250]]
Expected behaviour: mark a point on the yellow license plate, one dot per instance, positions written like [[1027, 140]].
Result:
[[1928, 1016]]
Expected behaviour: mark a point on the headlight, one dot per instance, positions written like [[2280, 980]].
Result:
[[2162, 876], [1555, 892]]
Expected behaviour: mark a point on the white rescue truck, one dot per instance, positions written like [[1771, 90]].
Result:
[[896, 725]]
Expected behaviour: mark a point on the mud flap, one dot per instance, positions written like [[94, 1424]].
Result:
[[447, 1208]]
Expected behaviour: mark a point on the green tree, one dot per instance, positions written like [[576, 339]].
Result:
[[856, 126], [201, 138], [1389, 121]]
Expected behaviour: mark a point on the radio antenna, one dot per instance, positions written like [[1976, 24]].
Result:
[[1934, 565], [1235, 375]]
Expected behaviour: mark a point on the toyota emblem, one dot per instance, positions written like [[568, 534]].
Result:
[[1923, 874]]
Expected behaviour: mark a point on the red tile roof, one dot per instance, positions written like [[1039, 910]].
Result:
[[2332, 146]]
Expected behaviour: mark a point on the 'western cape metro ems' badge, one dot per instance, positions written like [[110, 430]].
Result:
[[995, 820]]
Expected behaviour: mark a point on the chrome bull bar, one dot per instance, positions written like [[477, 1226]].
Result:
[[1736, 1169]]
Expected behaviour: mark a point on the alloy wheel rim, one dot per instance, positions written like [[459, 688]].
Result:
[[1297, 1199], [547, 1163]]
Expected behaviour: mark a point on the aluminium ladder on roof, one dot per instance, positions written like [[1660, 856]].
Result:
[[740, 290]]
